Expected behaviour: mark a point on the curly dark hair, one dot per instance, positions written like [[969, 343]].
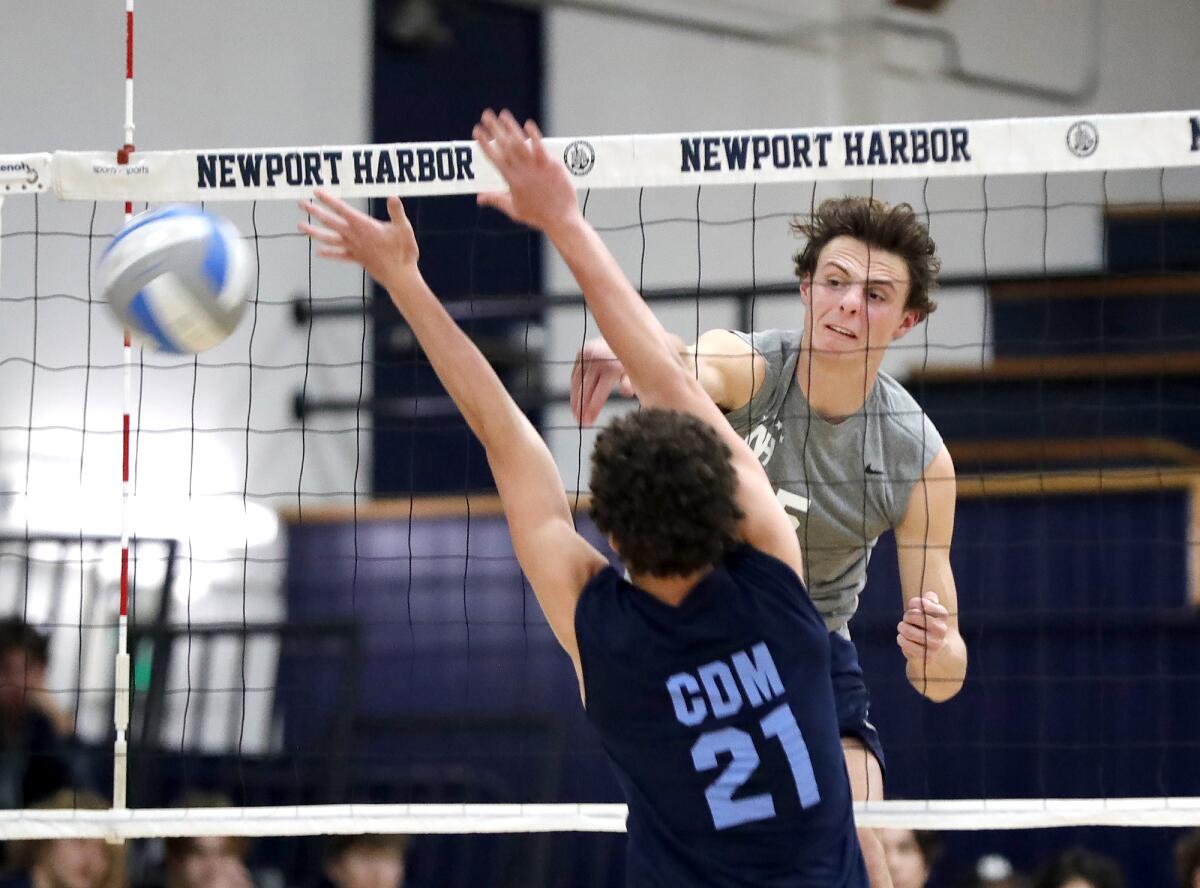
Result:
[[894, 229], [664, 488]]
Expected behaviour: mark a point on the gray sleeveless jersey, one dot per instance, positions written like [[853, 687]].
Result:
[[842, 485]]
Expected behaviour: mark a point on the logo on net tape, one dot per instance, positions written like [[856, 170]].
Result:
[[579, 157], [18, 172], [1082, 139]]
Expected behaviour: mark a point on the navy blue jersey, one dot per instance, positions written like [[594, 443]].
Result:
[[718, 716]]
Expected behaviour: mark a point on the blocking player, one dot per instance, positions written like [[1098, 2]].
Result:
[[707, 674]]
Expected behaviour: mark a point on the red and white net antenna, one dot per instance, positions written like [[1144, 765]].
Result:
[[121, 676]]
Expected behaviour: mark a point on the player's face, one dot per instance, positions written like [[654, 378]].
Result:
[[208, 861], [73, 863], [904, 859], [367, 867], [856, 299]]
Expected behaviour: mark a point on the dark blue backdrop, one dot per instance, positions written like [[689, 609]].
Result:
[[492, 59], [1083, 675]]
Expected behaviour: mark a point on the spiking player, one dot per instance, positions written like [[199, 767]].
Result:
[[848, 450], [707, 674]]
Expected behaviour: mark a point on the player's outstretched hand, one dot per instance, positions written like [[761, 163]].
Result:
[[387, 250], [597, 370], [922, 632], [539, 194]]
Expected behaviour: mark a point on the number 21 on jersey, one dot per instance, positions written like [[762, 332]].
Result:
[[727, 811]]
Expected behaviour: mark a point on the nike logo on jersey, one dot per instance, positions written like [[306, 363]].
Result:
[[871, 470]]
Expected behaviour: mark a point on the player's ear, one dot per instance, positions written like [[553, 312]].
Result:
[[612, 543], [806, 291], [911, 318]]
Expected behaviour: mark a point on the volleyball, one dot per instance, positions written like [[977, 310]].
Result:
[[177, 278]]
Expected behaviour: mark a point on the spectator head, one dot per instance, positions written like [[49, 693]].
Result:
[[371, 861], [1080, 868], [1187, 860], [202, 861], [24, 653], [72, 863], [910, 855]]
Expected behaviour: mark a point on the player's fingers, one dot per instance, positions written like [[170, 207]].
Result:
[[935, 610], [928, 606], [576, 391], [596, 402], [513, 134], [536, 147], [915, 604], [936, 629], [487, 122], [324, 216], [483, 138], [320, 234], [589, 379], [930, 595], [496, 132], [908, 648], [339, 254], [915, 634], [395, 210], [577, 375], [335, 204]]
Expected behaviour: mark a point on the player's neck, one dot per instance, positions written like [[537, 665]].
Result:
[[669, 590], [836, 386]]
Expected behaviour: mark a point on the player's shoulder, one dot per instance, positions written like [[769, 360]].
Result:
[[772, 342], [898, 411], [745, 561], [604, 582], [892, 390], [600, 608]]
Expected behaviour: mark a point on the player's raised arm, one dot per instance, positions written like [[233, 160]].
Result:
[[540, 195], [557, 561], [728, 369]]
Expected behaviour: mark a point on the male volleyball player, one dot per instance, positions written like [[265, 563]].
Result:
[[707, 674], [848, 451]]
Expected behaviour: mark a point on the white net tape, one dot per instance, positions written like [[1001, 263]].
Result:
[[308, 820], [928, 150]]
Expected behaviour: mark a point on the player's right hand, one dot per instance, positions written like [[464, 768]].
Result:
[[593, 377], [540, 193]]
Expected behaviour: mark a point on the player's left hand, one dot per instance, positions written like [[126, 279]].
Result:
[[922, 632]]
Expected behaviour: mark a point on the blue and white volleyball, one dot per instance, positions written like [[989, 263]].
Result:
[[177, 278]]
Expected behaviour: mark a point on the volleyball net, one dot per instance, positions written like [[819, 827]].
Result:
[[317, 635]]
